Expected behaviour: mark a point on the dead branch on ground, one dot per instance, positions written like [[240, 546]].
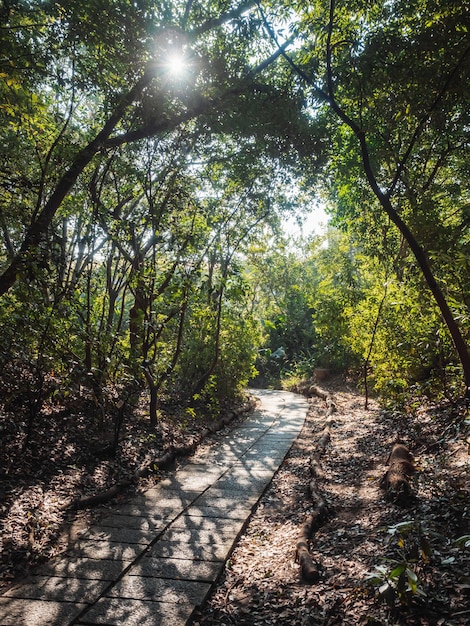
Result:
[[309, 567]]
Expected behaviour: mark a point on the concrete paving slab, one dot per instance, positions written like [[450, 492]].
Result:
[[192, 552], [166, 497], [153, 514], [197, 537], [236, 511], [240, 442], [179, 569], [192, 477], [91, 569], [234, 450], [120, 534], [268, 452], [156, 557], [17, 612], [246, 472], [242, 483], [157, 504], [220, 525], [92, 549], [220, 460], [161, 590], [284, 435], [271, 455], [130, 612], [269, 460], [248, 434], [220, 499], [60, 589], [221, 457], [137, 522], [254, 466]]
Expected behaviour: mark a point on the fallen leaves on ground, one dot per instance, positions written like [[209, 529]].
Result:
[[66, 458], [262, 585]]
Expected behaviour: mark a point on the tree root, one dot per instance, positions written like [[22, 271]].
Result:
[[309, 567]]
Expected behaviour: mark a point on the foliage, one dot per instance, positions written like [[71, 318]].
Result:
[[282, 281], [393, 146], [401, 579], [411, 548], [358, 312], [410, 343], [128, 195], [304, 297], [140, 211], [338, 289]]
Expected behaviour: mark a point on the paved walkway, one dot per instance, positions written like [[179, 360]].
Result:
[[153, 560]]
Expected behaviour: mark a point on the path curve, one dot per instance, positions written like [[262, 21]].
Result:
[[151, 561]]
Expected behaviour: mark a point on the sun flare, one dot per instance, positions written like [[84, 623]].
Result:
[[177, 64]]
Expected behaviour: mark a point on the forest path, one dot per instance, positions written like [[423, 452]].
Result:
[[153, 560], [262, 584]]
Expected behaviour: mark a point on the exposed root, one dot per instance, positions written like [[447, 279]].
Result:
[[309, 567]]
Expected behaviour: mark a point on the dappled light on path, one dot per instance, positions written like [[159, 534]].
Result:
[[152, 560]]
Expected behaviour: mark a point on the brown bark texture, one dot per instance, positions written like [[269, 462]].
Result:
[[396, 482], [309, 567]]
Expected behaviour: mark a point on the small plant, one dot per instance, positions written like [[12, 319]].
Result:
[[398, 577], [191, 412], [463, 542], [300, 369]]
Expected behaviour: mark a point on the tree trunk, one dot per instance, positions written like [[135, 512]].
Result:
[[420, 255], [386, 204], [41, 224]]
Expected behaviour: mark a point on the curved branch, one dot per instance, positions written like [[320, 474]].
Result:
[[384, 198], [44, 217], [424, 120]]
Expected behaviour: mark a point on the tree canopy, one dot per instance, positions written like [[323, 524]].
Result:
[[150, 151]]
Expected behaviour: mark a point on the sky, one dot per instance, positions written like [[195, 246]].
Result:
[[315, 223]]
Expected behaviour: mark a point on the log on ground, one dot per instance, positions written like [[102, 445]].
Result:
[[309, 567]]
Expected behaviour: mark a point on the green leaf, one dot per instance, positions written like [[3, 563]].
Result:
[[397, 571], [463, 541]]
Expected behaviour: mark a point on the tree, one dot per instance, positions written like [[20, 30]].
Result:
[[77, 58], [395, 77], [283, 281], [109, 207]]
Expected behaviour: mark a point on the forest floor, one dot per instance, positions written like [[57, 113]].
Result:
[[365, 538], [68, 457], [361, 548]]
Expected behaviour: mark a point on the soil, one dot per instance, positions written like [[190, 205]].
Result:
[[362, 541], [68, 458], [361, 548]]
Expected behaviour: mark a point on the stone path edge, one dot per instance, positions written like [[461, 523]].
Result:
[[153, 561]]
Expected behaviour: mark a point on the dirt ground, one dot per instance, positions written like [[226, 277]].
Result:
[[380, 563], [67, 458]]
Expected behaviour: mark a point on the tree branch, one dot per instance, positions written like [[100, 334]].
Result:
[[424, 120]]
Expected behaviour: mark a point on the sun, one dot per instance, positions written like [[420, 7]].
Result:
[[177, 64]]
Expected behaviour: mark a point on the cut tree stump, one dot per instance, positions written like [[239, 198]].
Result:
[[396, 480]]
